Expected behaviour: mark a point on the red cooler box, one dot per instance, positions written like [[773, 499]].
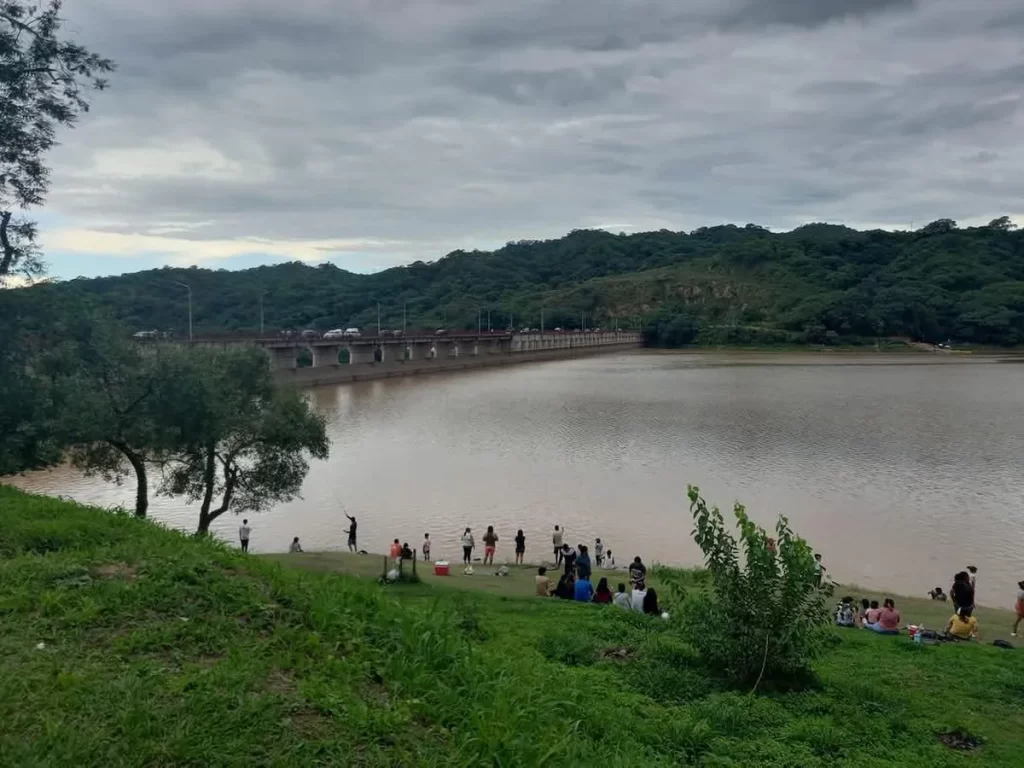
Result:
[[441, 568]]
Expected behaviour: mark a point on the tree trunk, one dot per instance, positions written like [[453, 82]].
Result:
[[141, 478], [205, 518], [7, 257]]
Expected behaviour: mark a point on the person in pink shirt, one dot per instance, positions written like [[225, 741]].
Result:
[[888, 619]]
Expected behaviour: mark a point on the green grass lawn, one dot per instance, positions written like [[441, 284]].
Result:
[[124, 644]]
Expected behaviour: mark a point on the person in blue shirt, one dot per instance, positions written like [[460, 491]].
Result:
[[584, 590]]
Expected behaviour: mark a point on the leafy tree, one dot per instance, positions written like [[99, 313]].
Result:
[[765, 615], [43, 79], [1003, 223], [248, 440], [938, 227]]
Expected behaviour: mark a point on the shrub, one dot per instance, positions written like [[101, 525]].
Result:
[[765, 615]]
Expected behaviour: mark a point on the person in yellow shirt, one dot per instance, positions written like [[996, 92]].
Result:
[[962, 625]]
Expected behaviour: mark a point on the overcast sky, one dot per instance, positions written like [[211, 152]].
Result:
[[375, 132]]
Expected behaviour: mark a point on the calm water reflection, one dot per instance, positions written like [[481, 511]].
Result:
[[900, 470]]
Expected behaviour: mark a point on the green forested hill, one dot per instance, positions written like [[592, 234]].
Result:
[[818, 283]]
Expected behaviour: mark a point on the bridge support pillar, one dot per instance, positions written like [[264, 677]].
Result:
[[420, 350], [325, 355], [360, 354], [282, 358], [392, 353]]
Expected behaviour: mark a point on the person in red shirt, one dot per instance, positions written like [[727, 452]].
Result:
[[396, 550], [603, 593], [888, 619]]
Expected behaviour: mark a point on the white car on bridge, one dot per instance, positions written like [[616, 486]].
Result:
[[336, 333]]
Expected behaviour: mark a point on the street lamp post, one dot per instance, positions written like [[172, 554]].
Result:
[[188, 288]]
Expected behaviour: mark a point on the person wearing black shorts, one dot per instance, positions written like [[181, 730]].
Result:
[[520, 547]]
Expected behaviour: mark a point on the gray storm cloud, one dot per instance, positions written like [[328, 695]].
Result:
[[418, 127]]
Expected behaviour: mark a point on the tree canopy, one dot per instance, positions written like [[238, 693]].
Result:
[[43, 83]]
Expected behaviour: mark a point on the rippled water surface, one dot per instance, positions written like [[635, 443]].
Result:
[[901, 470]]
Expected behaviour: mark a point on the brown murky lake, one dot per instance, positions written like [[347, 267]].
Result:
[[901, 470]]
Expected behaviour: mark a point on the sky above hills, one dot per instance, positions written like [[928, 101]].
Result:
[[375, 132]]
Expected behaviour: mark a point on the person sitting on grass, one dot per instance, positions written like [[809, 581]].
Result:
[[938, 594], [543, 582], [603, 594], [871, 614], [862, 614], [295, 546], [962, 625], [845, 613], [621, 599], [406, 551], [650, 603], [566, 589], [1019, 608], [584, 590], [888, 619], [636, 598]]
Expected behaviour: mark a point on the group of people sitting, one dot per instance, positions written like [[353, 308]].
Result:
[[574, 584], [962, 625]]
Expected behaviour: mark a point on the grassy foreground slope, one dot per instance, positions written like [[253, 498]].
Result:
[[125, 644]]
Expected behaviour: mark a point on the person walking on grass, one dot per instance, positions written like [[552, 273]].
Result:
[[468, 542], [520, 546], [351, 533], [243, 535], [1019, 608], [490, 545], [426, 547], [557, 541]]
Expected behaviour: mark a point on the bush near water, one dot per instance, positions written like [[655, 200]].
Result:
[[127, 644]]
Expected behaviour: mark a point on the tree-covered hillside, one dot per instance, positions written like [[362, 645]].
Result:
[[818, 283]]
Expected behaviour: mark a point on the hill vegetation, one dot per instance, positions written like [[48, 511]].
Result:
[[127, 644], [817, 284]]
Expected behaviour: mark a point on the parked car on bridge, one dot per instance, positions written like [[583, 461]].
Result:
[[440, 331], [336, 333], [146, 335], [353, 332], [310, 334]]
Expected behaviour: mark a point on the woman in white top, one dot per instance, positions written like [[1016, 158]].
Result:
[[467, 546], [636, 600]]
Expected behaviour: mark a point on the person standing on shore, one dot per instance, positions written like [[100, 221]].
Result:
[[1019, 607], [520, 547], [568, 558], [598, 553], [819, 571], [638, 574], [962, 593], [467, 546], [426, 547], [243, 535], [295, 546], [396, 551], [583, 563], [490, 545], [351, 533], [557, 540]]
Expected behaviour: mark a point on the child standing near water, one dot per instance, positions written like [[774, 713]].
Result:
[[426, 547]]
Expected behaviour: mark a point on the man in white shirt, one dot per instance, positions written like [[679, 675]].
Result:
[[621, 598], [557, 540], [636, 600], [243, 535]]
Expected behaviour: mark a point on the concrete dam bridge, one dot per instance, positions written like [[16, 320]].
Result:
[[355, 358]]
